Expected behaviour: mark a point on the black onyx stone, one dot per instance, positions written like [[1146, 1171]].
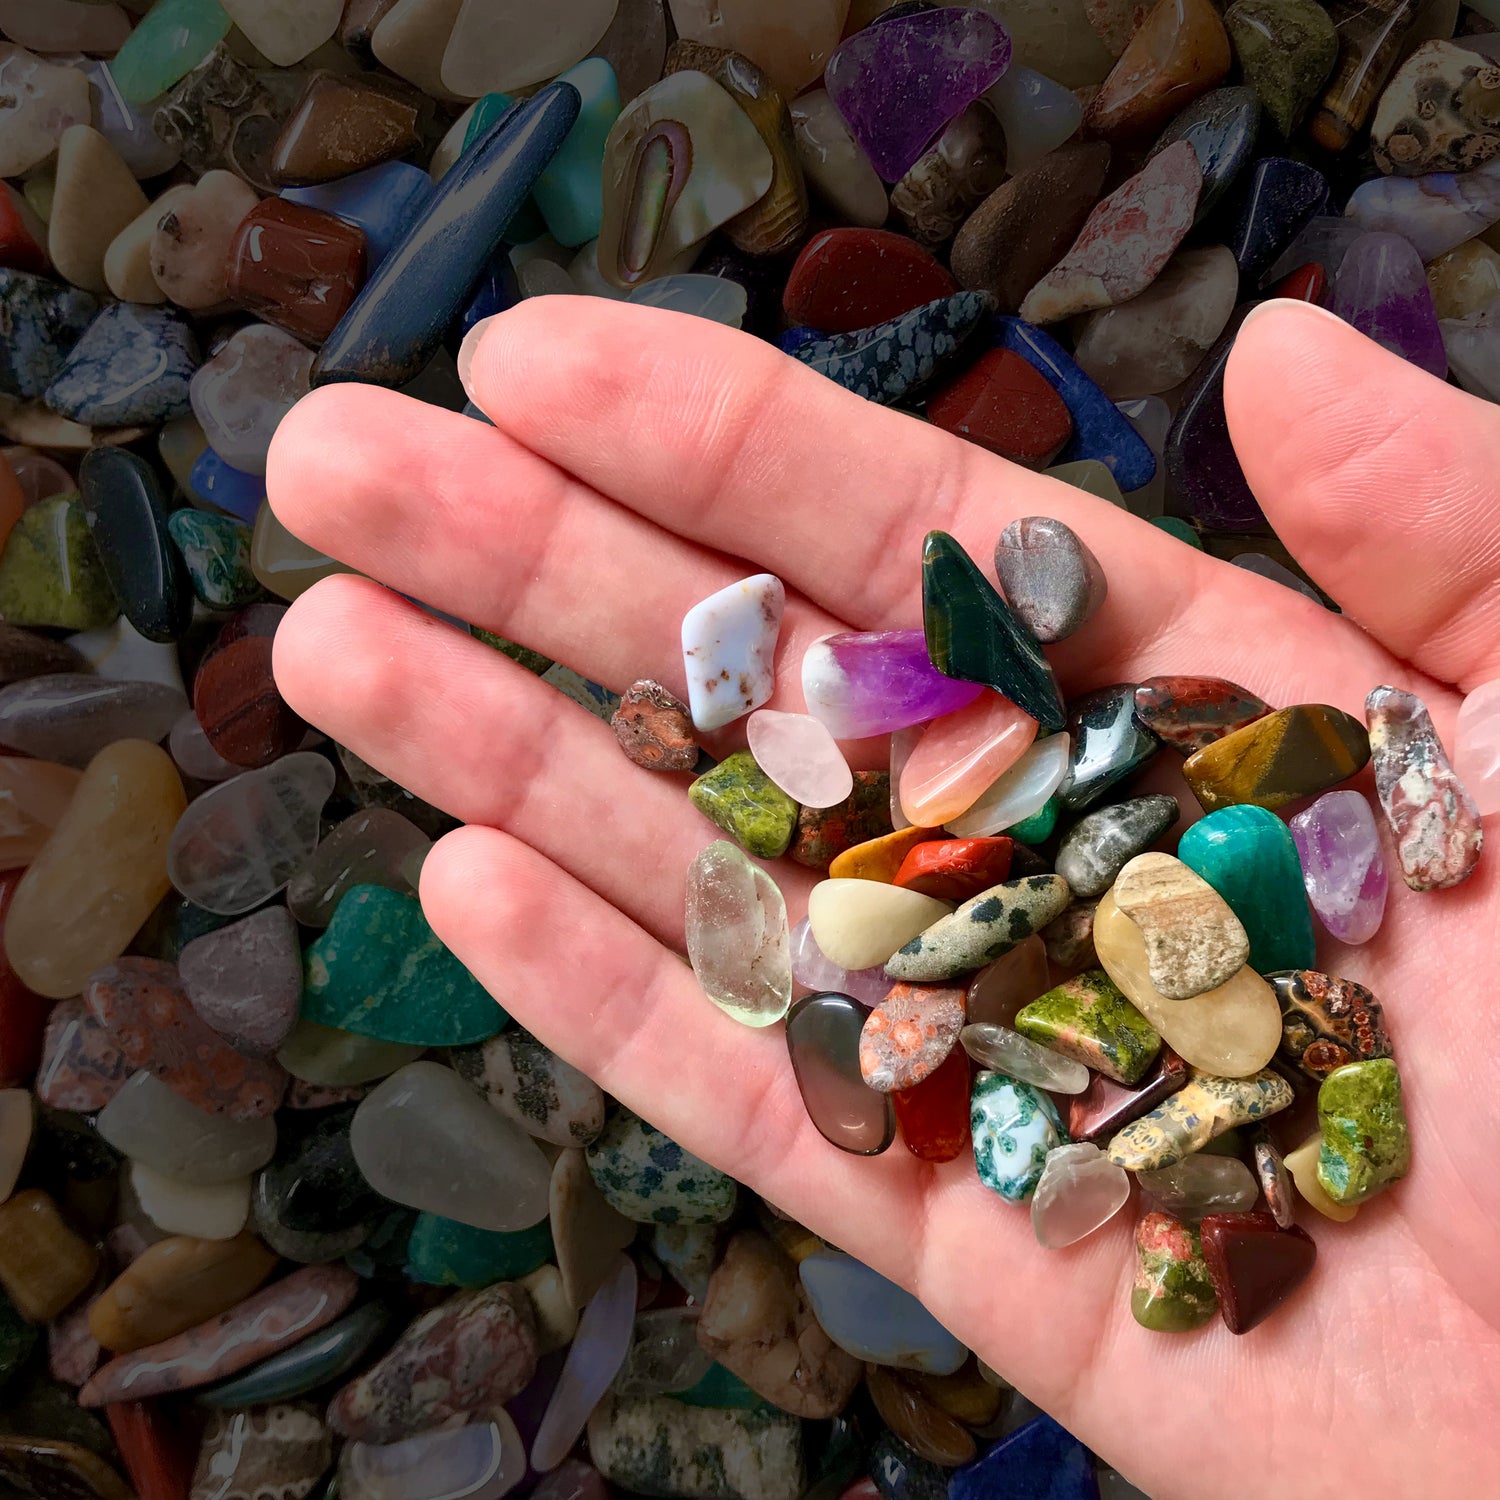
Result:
[[1109, 744], [1221, 128]]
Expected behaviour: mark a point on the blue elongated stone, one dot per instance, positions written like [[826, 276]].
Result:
[[875, 1319], [889, 361], [798, 338], [1221, 129], [1249, 857], [1100, 429], [398, 320], [1281, 198], [498, 291], [41, 320], [527, 223], [383, 202], [327, 1354], [131, 367], [1040, 1461], [229, 488]]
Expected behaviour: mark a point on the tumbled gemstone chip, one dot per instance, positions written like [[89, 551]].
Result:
[[1089, 1019], [1255, 1265], [1172, 1292], [874, 682], [737, 937], [729, 649], [1202, 1184], [822, 1035], [1194, 941], [982, 929], [1188, 713], [1191, 1118], [1079, 1191], [908, 1036], [1343, 869], [1328, 1022], [1294, 752], [1014, 1126], [1366, 1143], [1007, 1051]]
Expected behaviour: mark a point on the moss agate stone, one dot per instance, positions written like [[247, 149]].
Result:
[[739, 797], [1366, 1144], [1014, 1126], [1089, 1019]]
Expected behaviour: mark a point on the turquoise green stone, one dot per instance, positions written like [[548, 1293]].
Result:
[[216, 550], [1366, 1145], [973, 635], [739, 797], [527, 224], [1088, 1018], [50, 571], [570, 193], [1248, 856], [1037, 829], [720, 1389], [523, 656], [1174, 526], [379, 970], [17, 1340], [443, 1252], [650, 1179], [171, 39]]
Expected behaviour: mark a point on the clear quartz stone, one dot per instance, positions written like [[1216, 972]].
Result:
[[1080, 1190], [664, 1355], [737, 937], [1199, 1185], [1009, 1052]]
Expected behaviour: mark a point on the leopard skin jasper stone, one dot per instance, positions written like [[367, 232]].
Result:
[[1088, 1018], [1366, 1144]]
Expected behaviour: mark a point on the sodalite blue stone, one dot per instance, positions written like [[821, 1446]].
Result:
[[1040, 1461], [874, 1318], [229, 488], [1221, 127], [1281, 197], [383, 201], [889, 361], [1100, 430], [399, 318], [40, 321], [131, 367], [798, 338]]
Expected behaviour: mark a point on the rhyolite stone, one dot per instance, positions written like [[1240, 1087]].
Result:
[[1013, 1126], [1436, 825], [729, 649], [149, 1121], [847, 279], [907, 1036], [1248, 856], [1255, 1265], [1079, 1191], [887, 362], [655, 728], [1343, 867], [530, 1084], [980, 930], [380, 971], [1097, 847], [1328, 1022], [43, 319], [1188, 1120], [1188, 713], [131, 366], [1291, 753], [742, 800], [1439, 113], [650, 1179], [1002, 403], [478, 1349], [1172, 1291], [1105, 1106], [867, 683], [1049, 577], [1286, 50], [51, 573], [1089, 1019]]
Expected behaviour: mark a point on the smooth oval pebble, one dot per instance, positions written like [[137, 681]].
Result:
[[149, 1122], [424, 1138], [1007, 1051], [480, 1461], [1200, 1184], [800, 755], [1019, 794], [367, 848], [736, 932], [822, 1036], [1080, 1190], [529, 1083], [34, 794], [217, 1211], [1194, 941], [70, 717], [860, 923]]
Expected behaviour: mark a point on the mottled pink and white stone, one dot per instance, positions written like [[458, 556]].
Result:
[[800, 755], [1476, 746], [729, 649], [1080, 1190]]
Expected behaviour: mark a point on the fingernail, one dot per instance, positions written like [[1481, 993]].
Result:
[[466, 351], [1282, 303]]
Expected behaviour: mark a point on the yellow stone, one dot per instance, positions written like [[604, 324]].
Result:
[[1231, 1031], [556, 1317], [284, 565], [860, 923], [34, 794], [102, 872], [1294, 752], [878, 859], [127, 262], [1465, 280], [1303, 1165], [1194, 941], [44, 1266], [95, 197]]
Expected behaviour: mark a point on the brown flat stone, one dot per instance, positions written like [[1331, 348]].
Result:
[[342, 125]]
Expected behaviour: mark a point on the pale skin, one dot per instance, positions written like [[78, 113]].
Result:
[[640, 461]]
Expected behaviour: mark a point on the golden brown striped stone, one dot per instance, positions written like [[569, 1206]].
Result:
[[1294, 752]]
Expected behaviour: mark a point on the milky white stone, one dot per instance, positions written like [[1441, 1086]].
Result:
[[1476, 746], [1022, 791], [120, 653], [836, 167], [1007, 1051], [714, 297], [412, 40], [241, 395], [1036, 114], [729, 649], [860, 923], [208, 1212], [737, 937], [499, 46], [38, 102], [477, 1461], [799, 754], [285, 30], [1080, 1189], [151, 1123]]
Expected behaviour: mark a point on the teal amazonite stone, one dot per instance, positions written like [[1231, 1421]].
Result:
[[1366, 1145], [443, 1252], [747, 805], [316, 1360], [720, 1389], [1014, 1127], [1248, 856], [379, 970], [649, 1178], [170, 41], [570, 193]]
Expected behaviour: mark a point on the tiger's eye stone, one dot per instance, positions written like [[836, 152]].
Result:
[[1371, 37], [1294, 752], [44, 1265], [296, 267], [343, 124]]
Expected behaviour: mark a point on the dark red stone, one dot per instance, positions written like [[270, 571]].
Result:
[[1255, 1265], [1188, 713], [22, 237], [296, 267], [955, 869], [854, 278], [1106, 1106], [81, 1068], [235, 697], [1003, 404], [143, 1006], [933, 1116], [1309, 284], [159, 1452]]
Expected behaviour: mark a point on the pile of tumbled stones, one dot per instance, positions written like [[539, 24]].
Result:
[[270, 1159]]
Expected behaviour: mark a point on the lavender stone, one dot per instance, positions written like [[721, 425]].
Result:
[[1436, 213], [814, 970], [1342, 866], [864, 683], [1381, 289]]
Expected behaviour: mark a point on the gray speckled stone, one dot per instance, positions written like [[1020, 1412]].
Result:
[[661, 1447], [1048, 576], [533, 1086], [40, 321], [132, 366], [982, 929], [1097, 847], [649, 1178]]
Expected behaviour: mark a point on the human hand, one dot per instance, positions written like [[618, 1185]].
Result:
[[642, 460]]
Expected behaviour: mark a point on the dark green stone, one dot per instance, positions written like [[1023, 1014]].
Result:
[[1109, 744], [721, 1389], [742, 800], [973, 635], [1248, 856], [17, 1340], [1182, 530], [216, 553], [1089, 1018], [1366, 1145], [443, 1252], [1037, 829], [379, 970], [51, 573], [1287, 48], [1173, 1292], [524, 656]]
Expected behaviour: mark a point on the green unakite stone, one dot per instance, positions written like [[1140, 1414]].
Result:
[[523, 656], [169, 42], [747, 805], [216, 550], [17, 1340], [1287, 49], [1182, 530], [1366, 1145], [443, 1252], [1089, 1019], [1037, 829], [380, 971], [1173, 1291], [650, 1179], [50, 572], [1248, 856]]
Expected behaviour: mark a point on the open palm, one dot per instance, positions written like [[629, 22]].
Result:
[[642, 460]]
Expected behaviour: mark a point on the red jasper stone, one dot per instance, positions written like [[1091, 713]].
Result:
[[23, 236], [1003, 404], [235, 697], [955, 869], [159, 1452], [1308, 284], [1188, 713], [933, 1116], [23, 1013], [1255, 1265], [296, 267], [1105, 1106], [846, 279]]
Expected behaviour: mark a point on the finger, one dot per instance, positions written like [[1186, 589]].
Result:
[[1380, 479], [470, 731]]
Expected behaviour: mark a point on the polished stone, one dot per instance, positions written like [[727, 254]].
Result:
[[1286, 49], [1381, 289], [297, 267], [1189, 1119], [1109, 743], [1097, 847], [1188, 713], [1291, 753], [132, 365], [866, 683], [1328, 1022], [1255, 1265], [980, 931], [730, 638], [736, 935], [1172, 1290], [1088, 1019], [1014, 1126]]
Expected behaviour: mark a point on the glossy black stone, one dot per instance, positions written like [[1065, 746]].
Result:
[[1280, 197], [1222, 127], [398, 320], [127, 517], [314, 1186], [1108, 744]]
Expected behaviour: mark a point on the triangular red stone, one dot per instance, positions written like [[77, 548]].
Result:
[[1255, 1265]]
